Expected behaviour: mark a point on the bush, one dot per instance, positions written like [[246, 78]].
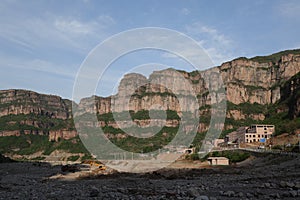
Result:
[[138, 145], [233, 156], [24, 144], [195, 156], [45, 123], [73, 158], [139, 115]]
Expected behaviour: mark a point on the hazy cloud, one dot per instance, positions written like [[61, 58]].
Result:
[[38, 65], [216, 44], [185, 11]]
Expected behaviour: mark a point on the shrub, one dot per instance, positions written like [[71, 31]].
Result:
[[233, 156], [73, 158]]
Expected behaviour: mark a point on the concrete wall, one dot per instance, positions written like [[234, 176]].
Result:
[[259, 131], [218, 161]]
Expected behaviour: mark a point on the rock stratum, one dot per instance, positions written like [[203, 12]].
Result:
[[262, 89]]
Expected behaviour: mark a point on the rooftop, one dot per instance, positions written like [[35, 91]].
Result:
[[217, 158]]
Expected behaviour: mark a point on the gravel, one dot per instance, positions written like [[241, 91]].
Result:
[[261, 179]]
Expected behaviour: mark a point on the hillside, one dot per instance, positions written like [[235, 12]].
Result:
[[263, 89]]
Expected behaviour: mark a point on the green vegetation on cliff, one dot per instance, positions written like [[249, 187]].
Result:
[[139, 115], [275, 114], [29, 144], [135, 144], [51, 113], [274, 58], [33, 122]]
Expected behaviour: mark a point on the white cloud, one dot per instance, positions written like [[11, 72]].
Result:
[[216, 44], [39, 75], [51, 31], [77, 28], [37, 65], [106, 20], [212, 33], [72, 26], [185, 11]]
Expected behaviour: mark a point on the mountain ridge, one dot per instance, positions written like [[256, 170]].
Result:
[[257, 92]]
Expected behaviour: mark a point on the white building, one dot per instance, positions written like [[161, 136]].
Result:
[[218, 161], [259, 133], [253, 133]]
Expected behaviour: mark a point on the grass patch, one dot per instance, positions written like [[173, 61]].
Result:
[[139, 145], [29, 144], [248, 108], [233, 156], [24, 144], [73, 158], [41, 123], [73, 145]]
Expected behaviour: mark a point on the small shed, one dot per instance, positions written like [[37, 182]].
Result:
[[218, 161]]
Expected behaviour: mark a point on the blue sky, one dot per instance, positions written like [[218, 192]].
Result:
[[43, 43]]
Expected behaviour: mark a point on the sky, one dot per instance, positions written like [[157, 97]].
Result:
[[44, 43]]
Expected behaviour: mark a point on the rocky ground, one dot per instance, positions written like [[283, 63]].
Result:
[[265, 177]]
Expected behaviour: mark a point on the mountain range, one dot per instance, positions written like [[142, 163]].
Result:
[[263, 89]]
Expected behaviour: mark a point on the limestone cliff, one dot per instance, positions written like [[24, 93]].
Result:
[[14, 102], [249, 83], [246, 81], [27, 112], [291, 95], [255, 82]]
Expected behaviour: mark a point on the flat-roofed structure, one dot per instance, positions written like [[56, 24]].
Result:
[[218, 161], [259, 132], [250, 134]]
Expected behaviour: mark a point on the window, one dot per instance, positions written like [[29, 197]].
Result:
[[254, 140], [247, 140], [253, 135], [258, 135], [246, 135], [266, 136]]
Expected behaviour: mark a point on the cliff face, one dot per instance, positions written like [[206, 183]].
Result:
[[245, 80], [257, 81], [291, 95], [160, 90], [251, 86], [65, 134], [27, 112], [254, 82], [14, 102]]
